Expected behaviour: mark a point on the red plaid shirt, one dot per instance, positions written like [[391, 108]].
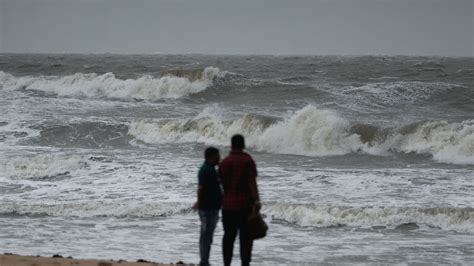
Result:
[[235, 172]]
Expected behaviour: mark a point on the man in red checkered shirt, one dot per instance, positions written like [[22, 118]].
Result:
[[238, 175]]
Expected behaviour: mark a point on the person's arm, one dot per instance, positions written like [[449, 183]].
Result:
[[253, 186], [254, 193], [220, 174], [200, 191]]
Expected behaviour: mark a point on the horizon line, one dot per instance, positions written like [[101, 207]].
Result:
[[235, 54]]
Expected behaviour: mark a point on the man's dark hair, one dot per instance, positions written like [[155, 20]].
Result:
[[237, 142], [209, 152]]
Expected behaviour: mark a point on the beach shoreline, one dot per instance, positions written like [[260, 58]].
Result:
[[8, 259]]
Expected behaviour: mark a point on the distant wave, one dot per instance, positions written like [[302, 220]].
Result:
[[172, 84], [315, 132], [392, 93]]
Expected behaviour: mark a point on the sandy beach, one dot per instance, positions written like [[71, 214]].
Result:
[[17, 260]]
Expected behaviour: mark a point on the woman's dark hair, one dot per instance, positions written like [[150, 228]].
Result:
[[237, 142], [209, 152]]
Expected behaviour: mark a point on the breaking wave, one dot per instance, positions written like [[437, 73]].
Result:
[[315, 132], [312, 215], [173, 84]]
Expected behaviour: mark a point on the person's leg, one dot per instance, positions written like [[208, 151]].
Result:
[[246, 242], [204, 254], [208, 225], [213, 217], [230, 221]]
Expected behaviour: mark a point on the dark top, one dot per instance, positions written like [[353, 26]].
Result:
[[211, 197], [236, 171]]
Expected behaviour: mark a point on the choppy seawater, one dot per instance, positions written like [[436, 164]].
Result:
[[361, 159]]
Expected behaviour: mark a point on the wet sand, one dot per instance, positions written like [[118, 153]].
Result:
[[17, 260]]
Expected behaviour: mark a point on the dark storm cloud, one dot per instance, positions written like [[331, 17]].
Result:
[[416, 27]]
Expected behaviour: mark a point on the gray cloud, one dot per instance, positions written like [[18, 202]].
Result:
[[417, 27]]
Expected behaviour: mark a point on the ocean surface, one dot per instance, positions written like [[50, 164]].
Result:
[[364, 160]]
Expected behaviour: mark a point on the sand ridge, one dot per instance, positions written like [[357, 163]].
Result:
[[17, 260]]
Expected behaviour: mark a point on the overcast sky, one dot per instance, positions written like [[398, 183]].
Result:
[[409, 27]]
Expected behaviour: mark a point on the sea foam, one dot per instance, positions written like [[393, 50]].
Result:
[[304, 215], [100, 208], [41, 166]]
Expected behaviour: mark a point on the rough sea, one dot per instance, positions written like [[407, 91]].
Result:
[[365, 159]]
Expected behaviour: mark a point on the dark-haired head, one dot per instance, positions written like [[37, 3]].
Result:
[[237, 142], [212, 156]]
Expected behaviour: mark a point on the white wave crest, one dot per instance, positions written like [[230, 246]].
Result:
[[202, 128], [40, 166], [108, 86], [312, 215], [314, 132], [308, 131], [94, 209], [447, 142]]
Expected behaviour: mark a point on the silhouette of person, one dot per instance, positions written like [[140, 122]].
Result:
[[209, 201], [238, 174]]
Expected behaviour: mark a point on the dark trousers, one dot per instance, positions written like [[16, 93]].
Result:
[[208, 225], [236, 222]]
